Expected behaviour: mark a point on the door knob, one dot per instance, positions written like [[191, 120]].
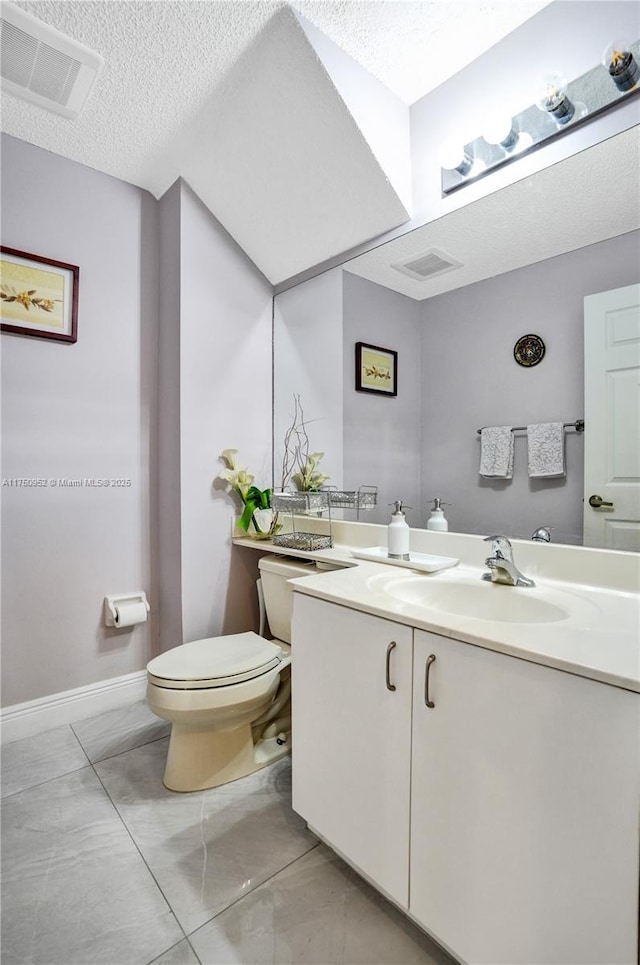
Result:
[[598, 501]]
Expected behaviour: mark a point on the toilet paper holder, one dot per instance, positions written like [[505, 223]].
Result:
[[126, 610]]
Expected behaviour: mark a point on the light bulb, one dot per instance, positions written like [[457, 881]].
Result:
[[499, 129], [553, 98], [453, 157], [621, 64]]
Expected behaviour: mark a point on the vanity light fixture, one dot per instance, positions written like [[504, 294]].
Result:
[[559, 108]]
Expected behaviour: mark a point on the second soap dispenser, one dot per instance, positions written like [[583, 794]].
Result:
[[438, 520], [398, 533]]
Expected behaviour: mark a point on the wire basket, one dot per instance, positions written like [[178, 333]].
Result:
[[300, 503], [361, 499], [309, 542]]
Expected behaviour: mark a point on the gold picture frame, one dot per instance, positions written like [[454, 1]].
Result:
[[376, 369], [38, 296]]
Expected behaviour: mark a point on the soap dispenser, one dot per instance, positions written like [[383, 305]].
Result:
[[398, 533], [438, 520]]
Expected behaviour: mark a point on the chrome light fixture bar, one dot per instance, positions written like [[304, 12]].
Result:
[[560, 108]]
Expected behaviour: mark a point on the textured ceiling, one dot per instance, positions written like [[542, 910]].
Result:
[[172, 70], [413, 47], [536, 218]]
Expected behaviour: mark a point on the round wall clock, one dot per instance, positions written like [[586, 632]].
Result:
[[529, 350]]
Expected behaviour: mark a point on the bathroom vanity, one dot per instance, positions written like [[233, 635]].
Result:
[[479, 766]]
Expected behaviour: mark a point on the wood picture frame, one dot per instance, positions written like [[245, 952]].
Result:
[[38, 296], [376, 369]]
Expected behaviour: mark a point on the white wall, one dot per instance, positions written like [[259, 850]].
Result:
[[74, 412], [382, 434], [470, 379], [225, 402]]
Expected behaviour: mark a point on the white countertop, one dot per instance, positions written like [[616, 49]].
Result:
[[598, 636], [598, 639]]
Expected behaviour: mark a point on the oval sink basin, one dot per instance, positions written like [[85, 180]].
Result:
[[481, 601]]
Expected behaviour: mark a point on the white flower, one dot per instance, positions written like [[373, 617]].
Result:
[[228, 456]]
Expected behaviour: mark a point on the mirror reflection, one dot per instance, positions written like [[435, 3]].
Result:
[[452, 299]]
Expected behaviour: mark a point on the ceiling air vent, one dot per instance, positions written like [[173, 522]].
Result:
[[42, 65], [431, 263]]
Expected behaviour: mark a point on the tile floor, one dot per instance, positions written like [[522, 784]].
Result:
[[101, 864]]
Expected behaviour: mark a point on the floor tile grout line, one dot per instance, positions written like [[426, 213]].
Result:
[[254, 889], [32, 787], [80, 744], [146, 864], [171, 947], [231, 905], [90, 763], [134, 747]]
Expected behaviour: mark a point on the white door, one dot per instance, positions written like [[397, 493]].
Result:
[[351, 693], [524, 810], [612, 419]]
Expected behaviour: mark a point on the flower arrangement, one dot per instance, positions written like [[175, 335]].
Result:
[[307, 477], [258, 519]]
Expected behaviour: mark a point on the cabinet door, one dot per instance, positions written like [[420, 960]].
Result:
[[524, 821], [352, 736]]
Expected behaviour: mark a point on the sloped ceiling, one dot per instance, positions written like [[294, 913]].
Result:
[[232, 96]]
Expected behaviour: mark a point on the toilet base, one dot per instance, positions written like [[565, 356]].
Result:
[[200, 758]]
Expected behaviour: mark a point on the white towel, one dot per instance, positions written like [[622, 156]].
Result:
[[496, 452], [546, 449]]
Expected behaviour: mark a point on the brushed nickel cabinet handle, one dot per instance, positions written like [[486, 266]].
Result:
[[427, 670], [390, 649]]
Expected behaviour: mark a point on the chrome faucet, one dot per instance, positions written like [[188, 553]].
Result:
[[541, 535], [501, 565]]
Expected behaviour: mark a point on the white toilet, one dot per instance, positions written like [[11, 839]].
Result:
[[228, 698]]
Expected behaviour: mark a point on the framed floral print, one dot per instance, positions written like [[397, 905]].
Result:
[[38, 296], [376, 369]]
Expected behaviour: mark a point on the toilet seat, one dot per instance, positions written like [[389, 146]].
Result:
[[215, 662]]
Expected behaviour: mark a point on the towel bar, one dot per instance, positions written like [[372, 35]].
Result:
[[578, 425]]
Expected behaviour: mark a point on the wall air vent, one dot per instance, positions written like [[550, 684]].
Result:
[[42, 65], [428, 265]]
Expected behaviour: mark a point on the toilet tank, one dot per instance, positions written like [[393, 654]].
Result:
[[278, 594]]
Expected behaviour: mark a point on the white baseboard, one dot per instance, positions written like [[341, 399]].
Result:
[[35, 716]]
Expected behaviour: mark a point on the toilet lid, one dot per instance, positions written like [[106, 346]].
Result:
[[214, 662]]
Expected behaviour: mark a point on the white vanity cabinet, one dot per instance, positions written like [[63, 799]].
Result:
[[504, 818], [524, 809], [352, 736]]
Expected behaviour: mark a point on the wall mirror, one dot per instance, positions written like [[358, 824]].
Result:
[[452, 298]]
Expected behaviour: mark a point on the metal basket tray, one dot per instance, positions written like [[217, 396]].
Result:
[[303, 541], [300, 502], [363, 498]]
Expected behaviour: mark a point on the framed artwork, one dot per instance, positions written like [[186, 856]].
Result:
[[376, 369], [38, 296]]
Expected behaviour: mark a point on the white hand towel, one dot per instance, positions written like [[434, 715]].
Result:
[[545, 443], [496, 452]]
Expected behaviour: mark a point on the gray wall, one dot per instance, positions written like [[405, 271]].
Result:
[[307, 361], [470, 379], [172, 365], [381, 433], [77, 411]]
